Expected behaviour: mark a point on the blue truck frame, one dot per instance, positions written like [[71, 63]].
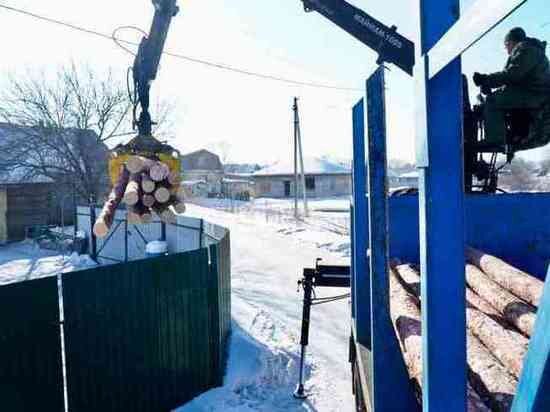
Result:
[[432, 228]]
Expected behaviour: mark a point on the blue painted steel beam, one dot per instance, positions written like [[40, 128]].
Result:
[[533, 393], [360, 241], [388, 369], [441, 218]]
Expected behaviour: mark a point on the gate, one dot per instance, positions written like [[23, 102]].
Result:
[[31, 377]]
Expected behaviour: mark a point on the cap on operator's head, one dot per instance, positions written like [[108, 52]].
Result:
[[516, 35]]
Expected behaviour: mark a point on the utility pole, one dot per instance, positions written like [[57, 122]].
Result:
[[298, 143], [296, 125]]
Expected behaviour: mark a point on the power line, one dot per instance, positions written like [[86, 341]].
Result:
[[220, 66]]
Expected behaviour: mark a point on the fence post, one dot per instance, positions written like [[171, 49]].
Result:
[[92, 235], [126, 237], [163, 231], [201, 231]]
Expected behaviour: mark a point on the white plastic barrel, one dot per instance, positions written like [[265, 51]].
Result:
[[156, 248]]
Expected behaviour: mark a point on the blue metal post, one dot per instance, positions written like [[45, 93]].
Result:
[[440, 163], [352, 267], [388, 370], [361, 282], [533, 394]]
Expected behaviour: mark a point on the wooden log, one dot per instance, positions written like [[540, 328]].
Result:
[[174, 178], [482, 305], [179, 206], [133, 190], [105, 220], [148, 200], [147, 184], [139, 164], [165, 213], [488, 377], [521, 284], [159, 171], [518, 313], [405, 317], [507, 346], [162, 195]]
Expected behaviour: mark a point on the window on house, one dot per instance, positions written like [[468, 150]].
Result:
[[310, 183]]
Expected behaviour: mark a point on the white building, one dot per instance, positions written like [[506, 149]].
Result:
[[324, 178]]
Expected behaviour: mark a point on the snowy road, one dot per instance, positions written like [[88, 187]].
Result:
[[267, 260]]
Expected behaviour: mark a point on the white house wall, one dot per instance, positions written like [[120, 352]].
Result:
[[325, 186]]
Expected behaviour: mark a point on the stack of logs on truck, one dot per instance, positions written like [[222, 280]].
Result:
[[501, 305], [145, 186]]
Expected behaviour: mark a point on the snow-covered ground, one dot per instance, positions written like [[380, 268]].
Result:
[[269, 251], [268, 255], [25, 261]]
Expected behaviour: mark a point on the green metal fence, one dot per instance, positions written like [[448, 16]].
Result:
[[31, 377], [146, 335]]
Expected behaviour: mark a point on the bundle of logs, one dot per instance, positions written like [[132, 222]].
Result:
[[145, 186], [501, 305]]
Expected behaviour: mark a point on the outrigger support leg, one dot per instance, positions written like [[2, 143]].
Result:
[[307, 284]]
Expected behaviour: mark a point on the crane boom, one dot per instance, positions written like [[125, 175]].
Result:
[[147, 60], [390, 45]]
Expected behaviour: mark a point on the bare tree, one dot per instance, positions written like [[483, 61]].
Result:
[[59, 127], [223, 149]]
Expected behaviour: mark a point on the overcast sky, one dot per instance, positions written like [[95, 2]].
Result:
[[274, 37]]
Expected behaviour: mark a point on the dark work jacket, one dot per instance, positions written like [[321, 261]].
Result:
[[527, 68]]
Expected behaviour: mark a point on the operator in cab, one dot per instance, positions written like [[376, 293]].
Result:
[[523, 84]]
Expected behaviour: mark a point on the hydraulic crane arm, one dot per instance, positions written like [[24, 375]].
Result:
[[390, 46], [147, 60]]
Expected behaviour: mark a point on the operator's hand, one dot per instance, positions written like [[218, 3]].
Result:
[[480, 79]]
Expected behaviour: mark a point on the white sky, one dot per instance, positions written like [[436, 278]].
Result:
[[274, 37]]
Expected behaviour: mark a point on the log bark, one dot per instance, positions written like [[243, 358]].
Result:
[[521, 284], [139, 214], [174, 178], [482, 305], [518, 313], [132, 193], [165, 214], [139, 164], [405, 317], [507, 346], [105, 220], [488, 377]]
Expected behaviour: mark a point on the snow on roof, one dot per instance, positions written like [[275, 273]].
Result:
[[312, 166]]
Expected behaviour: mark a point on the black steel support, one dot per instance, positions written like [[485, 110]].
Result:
[[92, 235], [323, 276], [307, 284], [163, 231]]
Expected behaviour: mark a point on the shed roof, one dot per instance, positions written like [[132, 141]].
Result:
[[201, 160]]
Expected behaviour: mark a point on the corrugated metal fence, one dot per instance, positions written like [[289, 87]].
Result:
[[147, 335]]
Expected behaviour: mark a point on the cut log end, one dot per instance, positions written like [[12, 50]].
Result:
[[101, 228], [148, 200], [135, 164], [159, 171], [148, 185], [179, 208], [162, 195]]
